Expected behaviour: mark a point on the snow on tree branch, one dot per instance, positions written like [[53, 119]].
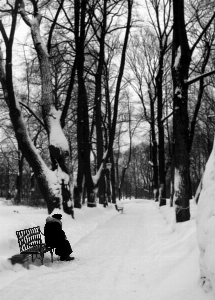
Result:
[[98, 174], [57, 137], [178, 57]]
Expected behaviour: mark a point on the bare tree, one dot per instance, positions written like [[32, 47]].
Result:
[[100, 30], [55, 184]]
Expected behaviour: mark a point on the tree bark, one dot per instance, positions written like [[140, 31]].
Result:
[[180, 67], [161, 153], [18, 196], [154, 150], [84, 168]]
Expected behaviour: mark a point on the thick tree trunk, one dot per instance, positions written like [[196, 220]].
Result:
[[181, 61], [98, 99], [82, 109], [101, 190]]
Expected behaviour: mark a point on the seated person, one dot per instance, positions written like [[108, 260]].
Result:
[[55, 237]]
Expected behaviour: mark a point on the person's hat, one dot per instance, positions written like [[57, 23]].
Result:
[[57, 216]]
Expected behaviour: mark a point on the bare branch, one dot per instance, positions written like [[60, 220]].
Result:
[[167, 117], [3, 32], [33, 114], [202, 33], [191, 81], [24, 14], [53, 26]]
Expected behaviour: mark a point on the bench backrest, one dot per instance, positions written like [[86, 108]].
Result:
[[29, 238]]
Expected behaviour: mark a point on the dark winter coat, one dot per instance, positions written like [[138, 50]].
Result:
[[55, 237]]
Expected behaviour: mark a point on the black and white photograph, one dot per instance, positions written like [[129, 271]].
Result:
[[107, 149]]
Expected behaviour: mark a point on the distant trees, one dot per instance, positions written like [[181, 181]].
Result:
[[148, 60], [122, 162], [138, 178]]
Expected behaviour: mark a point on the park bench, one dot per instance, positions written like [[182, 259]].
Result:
[[30, 243], [119, 208]]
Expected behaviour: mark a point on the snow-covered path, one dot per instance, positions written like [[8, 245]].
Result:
[[130, 257]]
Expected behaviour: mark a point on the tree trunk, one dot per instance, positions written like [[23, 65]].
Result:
[[98, 99], [84, 168], [18, 196], [180, 67], [172, 183], [154, 152], [113, 180], [161, 153], [101, 190]]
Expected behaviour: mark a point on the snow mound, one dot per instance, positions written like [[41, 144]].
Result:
[[205, 220]]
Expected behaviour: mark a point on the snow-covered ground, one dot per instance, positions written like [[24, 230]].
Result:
[[205, 218], [141, 254]]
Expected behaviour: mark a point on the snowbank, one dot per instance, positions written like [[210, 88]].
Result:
[[186, 231], [205, 220], [169, 214], [203, 215]]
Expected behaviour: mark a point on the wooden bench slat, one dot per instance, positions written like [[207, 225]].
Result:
[[30, 242]]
